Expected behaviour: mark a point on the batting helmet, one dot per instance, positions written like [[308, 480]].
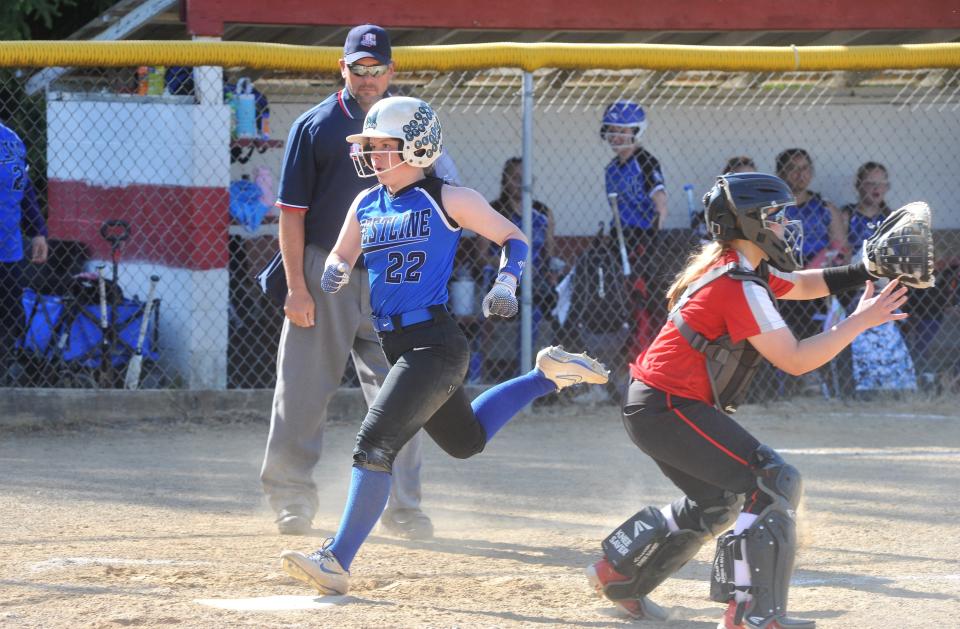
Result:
[[410, 120], [623, 113], [744, 205]]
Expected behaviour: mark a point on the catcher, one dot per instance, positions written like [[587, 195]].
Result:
[[723, 321]]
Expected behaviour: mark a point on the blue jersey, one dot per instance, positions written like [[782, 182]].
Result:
[[408, 243], [13, 183], [815, 217], [635, 181], [861, 226]]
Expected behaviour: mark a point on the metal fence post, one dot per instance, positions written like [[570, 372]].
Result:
[[526, 292]]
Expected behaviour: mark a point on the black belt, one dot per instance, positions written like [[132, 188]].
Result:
[[390, 323]]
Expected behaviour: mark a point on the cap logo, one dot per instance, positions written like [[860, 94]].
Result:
[[369, 40]]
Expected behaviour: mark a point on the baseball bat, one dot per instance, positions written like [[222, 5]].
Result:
[[104, 341], [132, 378], [615, 207]]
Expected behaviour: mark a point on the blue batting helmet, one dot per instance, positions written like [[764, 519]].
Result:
[[624, 113]]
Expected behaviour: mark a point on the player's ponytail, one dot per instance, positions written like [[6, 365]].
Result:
[[697, 264]]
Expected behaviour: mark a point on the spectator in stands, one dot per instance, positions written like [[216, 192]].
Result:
[[881, 361], [824, 240], [737, 164], [635, 177], [824, 226], [740, 164], [19, 216], [509, 204]]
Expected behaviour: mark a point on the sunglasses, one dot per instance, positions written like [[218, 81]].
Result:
[[357, 69]]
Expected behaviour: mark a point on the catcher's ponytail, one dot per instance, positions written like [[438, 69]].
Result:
[[697, 264]]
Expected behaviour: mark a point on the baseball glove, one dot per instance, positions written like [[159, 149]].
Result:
[[902, 247]]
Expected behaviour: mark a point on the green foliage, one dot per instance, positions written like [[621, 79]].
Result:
[[17, 16], [46, 19]]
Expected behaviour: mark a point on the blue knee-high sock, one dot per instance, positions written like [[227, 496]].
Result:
[[497, 405], [368, 495]]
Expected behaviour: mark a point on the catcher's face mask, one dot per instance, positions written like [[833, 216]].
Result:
[[767, 227], [775, 219]]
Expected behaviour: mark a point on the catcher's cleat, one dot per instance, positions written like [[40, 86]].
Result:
[[640, 607], [320, 570], [729, 621], [565, 369]]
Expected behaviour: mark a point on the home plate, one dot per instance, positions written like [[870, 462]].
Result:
[[275, 603]]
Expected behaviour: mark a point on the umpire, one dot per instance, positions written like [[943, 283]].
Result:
[[322, 330]]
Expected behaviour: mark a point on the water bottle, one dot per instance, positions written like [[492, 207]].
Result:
[[143, 75], [156, 80], [246, 109], [265, 125], [691, 206], [463, 294], [231, 101]]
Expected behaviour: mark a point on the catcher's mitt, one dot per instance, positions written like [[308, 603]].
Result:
[[902, 247]]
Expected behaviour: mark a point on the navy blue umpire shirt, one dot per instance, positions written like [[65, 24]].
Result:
[[318, 176]]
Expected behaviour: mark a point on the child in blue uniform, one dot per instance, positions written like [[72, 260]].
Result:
[[407, 228]]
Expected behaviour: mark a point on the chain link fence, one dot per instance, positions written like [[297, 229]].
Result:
[[135, 176]]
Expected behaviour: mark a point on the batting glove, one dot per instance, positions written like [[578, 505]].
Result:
[[335, 276], [502, 298]]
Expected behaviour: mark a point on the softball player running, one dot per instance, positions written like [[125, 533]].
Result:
[[723, 321], [407, 228]]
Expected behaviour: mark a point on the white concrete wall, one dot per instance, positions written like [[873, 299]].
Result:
[[108, 143], [114, 144]]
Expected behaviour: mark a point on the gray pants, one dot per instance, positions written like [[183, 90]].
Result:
[[310, 366]]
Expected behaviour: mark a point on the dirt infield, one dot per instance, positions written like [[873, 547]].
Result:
[[163, 525]]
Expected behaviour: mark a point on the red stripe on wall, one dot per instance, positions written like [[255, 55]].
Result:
[[176, 226]]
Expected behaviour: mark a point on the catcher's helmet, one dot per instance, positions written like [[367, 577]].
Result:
[[410, 120], [623, 113], [742, 205]]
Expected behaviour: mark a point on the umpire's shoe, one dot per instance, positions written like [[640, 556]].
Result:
[[294, 520], [602, 572], [564, 369], [320, 570], [410, 524]]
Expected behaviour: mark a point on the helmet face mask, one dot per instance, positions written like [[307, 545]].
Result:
[[629, 120], [409, 120], [362, 156], [750, 206], [790, 231]]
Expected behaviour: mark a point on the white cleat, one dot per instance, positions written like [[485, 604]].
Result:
[[320, 570], [565, 369]]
